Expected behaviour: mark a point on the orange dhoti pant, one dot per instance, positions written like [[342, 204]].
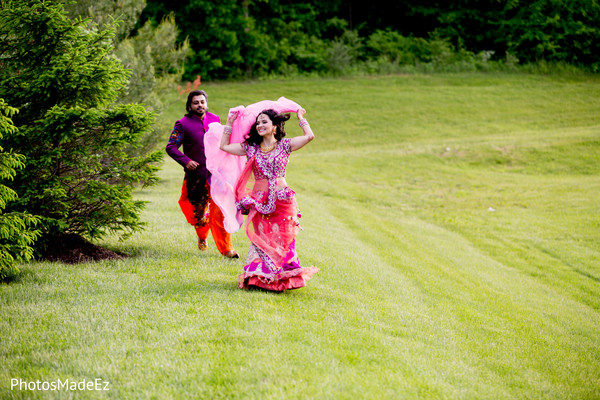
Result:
[[206, 218]]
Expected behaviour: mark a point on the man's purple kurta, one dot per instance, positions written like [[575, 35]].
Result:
[[189, 133]]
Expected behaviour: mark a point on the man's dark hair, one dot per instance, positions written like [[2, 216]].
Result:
[[193, 94]]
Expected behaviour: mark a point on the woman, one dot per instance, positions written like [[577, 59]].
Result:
[[262, 192]]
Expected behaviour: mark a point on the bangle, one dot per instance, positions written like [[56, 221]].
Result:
[[227, 130], [303, 122]]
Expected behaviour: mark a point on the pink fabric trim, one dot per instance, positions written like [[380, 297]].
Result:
[[294, 282], [226, 168], [296, 279]]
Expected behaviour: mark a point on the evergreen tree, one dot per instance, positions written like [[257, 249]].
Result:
[[105, 12], [150, 52], [16, 229], [63, 77]]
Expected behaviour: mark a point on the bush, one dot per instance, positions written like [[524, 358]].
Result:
[[343, 53], [392, 46]]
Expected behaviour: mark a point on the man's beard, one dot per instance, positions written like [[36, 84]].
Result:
[[199, 113]]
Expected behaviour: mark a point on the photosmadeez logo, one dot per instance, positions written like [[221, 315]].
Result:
[[58, 385]]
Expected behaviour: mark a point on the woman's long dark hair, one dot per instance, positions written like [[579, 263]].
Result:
[[278, 120]]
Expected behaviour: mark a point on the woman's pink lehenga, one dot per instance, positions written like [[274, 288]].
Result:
[[272, 225]]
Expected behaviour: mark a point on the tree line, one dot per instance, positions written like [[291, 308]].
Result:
[[257, 38]]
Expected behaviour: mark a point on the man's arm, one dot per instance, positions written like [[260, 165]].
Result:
[[173, 146]]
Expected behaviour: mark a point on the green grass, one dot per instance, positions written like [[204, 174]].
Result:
[[456, 222]]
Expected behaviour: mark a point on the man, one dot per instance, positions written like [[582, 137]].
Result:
[[195, 201]]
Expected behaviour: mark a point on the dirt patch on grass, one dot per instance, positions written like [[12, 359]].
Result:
[[74, 249]]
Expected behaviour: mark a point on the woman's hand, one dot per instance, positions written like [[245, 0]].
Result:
[[300, 113], [231, 117]]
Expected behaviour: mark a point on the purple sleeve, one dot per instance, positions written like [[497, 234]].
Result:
[[174, 144], [287, 146]]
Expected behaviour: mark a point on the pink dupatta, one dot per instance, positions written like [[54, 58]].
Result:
[[226, 168]]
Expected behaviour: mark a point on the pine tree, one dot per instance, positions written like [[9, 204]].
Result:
[[150, 51], [80, 169], [17, 233]]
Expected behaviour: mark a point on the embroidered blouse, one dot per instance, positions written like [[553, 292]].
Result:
[[269, 166]]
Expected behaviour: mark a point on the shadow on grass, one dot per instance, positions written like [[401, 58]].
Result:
[[139, 252], [587, 275], [15, 277], [189, 289]]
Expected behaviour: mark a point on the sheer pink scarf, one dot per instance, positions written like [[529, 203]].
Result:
[[226, 168]]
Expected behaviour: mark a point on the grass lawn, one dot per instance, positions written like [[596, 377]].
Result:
[[456, 223]]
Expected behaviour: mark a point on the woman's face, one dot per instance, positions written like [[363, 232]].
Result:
[[264, 125]]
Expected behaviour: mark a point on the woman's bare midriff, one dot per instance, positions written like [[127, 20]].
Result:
[[262, 185]]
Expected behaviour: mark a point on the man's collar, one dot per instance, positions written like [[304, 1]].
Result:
[[197, 116]]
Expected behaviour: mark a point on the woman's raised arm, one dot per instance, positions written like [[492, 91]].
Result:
[[298, 142]]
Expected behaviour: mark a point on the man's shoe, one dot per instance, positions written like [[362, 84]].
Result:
[[202, 245], [231, 254]]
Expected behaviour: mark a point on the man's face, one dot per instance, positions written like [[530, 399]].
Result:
[[199, 105]]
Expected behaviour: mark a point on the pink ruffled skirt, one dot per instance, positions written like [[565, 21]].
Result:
[[272, 262], [261, 272]]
